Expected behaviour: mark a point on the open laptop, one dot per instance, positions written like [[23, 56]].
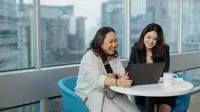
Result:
[[145, 73]]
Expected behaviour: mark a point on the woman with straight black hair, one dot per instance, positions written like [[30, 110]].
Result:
[[100, 68], [151, 48]]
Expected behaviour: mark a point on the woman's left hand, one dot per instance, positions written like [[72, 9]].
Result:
[[113, 75], [110, 75]]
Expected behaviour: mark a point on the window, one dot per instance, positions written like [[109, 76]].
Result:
[[164, 13], [194, 74], [25, 108], [191, 27], [55, 105], [67, 27], [16, 34]]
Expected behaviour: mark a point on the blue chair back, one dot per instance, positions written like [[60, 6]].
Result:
[[71, 101], [183, 101], [139, 106]]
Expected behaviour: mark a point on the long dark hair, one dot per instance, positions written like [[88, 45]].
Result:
[[159, 49], [95, 44]]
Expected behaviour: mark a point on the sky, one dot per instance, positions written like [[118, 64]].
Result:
[[81, 7], [92, 7], [63, 2]]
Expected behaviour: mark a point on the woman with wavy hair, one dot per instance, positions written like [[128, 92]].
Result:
[[100, 68], [151, 48]]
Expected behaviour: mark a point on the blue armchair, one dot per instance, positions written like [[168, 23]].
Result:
[[71, 101], [182, 102]]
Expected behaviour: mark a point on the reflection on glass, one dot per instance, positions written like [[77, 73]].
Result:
[[163, 12], [26, 108], [15, 35], [191, 25], [67, 27], [194, 74], [55, 105]]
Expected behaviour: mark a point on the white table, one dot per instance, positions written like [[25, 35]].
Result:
[[179, 87]]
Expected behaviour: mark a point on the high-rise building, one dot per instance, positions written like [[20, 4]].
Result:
[[112, 15], [62, 40], [164, 13], [62, 35], [8, 35], [191, 32]]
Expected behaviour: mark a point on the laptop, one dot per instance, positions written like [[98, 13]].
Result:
[[142, 74]]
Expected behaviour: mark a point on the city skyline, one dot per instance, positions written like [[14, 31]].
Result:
[[67, 27], [64, 26]]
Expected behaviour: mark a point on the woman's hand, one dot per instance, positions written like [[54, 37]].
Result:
[[110, 75], [113, 75], [118, 75], [124, 81]]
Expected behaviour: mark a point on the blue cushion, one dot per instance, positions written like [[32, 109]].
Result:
[[71, 101], [139, 106], [183, 101]]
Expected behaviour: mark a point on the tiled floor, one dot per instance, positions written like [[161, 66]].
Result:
[[195, 103]]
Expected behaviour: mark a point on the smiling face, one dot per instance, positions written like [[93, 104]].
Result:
[[150, 39], [110, 43]]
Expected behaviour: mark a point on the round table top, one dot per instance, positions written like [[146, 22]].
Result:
[[156, 90]]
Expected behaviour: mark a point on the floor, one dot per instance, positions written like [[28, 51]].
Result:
[[195, 103]]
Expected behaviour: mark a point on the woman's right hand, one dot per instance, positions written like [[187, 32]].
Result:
[[124, 82]]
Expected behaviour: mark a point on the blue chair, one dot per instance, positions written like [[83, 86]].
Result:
[[182, 102], [71, 101]]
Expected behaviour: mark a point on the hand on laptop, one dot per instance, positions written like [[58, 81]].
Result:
[[124, 81]]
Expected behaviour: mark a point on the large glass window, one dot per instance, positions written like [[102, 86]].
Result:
[[16, 34], [191, 25], [163, 12], [195, 75], [67, 27], [55, 105], [26, 108]]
